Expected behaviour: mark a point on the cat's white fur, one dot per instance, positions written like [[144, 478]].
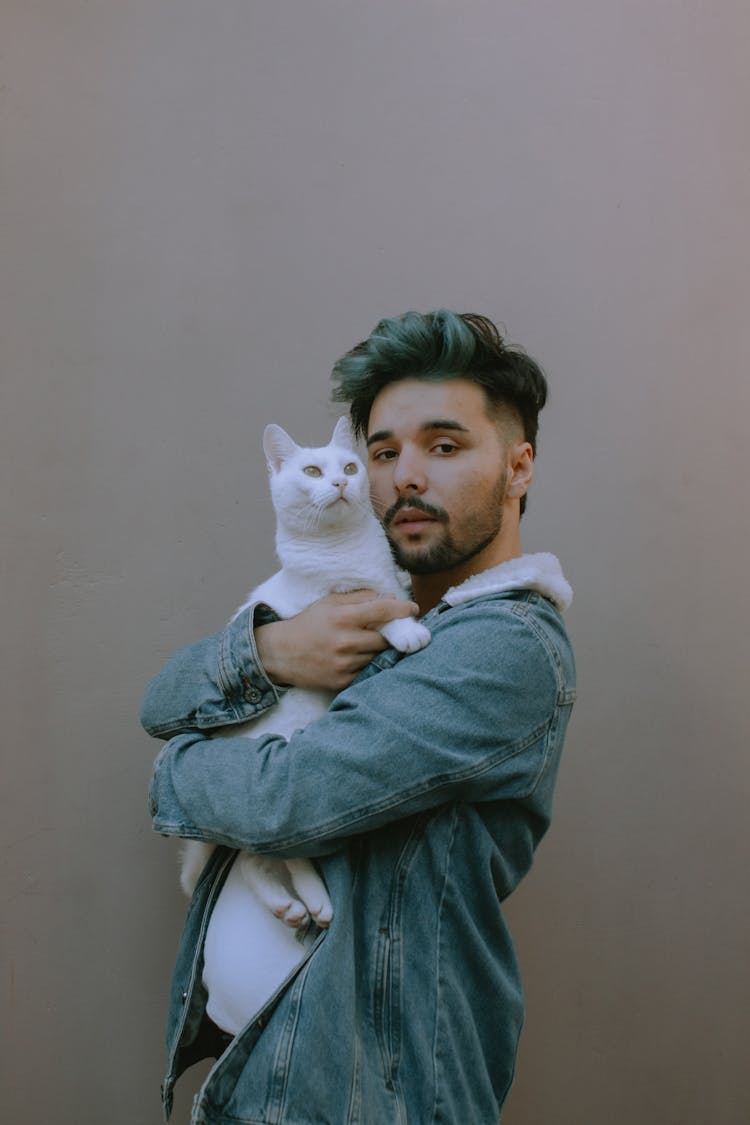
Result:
[[328, 541]]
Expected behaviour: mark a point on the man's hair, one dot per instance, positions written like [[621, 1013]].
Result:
[[441, 345]]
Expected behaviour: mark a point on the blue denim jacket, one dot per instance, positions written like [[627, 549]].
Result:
[[422, 794]]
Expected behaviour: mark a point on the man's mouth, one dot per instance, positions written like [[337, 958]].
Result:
[[413, 515], [412, 519]]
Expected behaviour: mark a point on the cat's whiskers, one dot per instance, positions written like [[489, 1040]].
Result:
[[379, 507], [314, 515], [312, 520]]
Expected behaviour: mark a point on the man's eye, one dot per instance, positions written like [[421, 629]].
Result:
[[384, 455], [312, 471], [444, 447]]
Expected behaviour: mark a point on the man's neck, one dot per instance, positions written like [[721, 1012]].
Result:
[[428, 589]]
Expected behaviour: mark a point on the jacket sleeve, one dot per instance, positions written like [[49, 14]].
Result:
[[214, 683], [470, 717]]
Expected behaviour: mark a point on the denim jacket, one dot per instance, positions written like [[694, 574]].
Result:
[[422, 795]]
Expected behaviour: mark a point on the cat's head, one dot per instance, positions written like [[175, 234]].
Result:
[[319, 489]]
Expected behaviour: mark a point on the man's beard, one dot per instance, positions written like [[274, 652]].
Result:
[[438, 557], [445, 554]]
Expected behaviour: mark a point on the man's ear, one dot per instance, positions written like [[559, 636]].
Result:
[[521, 469]]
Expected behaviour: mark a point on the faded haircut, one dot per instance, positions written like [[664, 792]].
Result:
[[442, 345]]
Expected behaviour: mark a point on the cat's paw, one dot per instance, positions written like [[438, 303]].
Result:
[[323, 915], [292, 913], [406, 634], [291, 889]]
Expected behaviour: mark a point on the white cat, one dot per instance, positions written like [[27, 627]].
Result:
[[328, 541]]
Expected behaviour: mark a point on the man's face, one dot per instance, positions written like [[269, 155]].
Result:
[[438, 467]]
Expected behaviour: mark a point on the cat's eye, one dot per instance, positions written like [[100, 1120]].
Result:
[[351, 469], [312, 471]]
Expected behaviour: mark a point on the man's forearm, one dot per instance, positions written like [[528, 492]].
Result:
[[327, 645], [234, 675]]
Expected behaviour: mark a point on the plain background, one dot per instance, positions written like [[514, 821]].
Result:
[[203, 205]]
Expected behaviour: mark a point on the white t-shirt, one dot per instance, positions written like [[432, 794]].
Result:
[[247, 954]]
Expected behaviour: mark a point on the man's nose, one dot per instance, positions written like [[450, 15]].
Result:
[[409, 475]]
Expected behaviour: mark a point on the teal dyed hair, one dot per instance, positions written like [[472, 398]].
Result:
[[441, 345]]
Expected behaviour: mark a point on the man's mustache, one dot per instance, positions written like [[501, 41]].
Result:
[[418, 505]]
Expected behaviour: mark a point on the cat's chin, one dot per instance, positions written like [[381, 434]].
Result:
[[334, 517], [341, 509]]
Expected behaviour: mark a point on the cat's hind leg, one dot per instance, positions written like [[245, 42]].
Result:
[[270, 881], [311, 889]]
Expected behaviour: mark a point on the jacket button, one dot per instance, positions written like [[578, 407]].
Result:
[[252, 695], [184, 997]]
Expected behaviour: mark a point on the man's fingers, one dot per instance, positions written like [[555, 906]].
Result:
[[369, 607], [366, 642], [327, 644], [352, 597], [371, 615]]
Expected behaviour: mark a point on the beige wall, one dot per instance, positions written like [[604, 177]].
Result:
[[203, 205]]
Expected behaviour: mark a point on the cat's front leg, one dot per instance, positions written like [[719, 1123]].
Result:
[[406, 634]]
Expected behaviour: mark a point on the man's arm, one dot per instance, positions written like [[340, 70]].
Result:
[[328, 644], [234, 675], [467, 718]]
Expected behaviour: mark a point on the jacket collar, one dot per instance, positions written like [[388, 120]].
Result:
[[541, 572]]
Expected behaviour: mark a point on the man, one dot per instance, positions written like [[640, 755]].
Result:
[[424, 791]]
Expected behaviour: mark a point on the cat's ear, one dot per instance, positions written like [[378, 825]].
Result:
[[342, 433], [277, 446]]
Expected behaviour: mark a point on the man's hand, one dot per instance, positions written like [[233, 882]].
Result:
[[327, 644]]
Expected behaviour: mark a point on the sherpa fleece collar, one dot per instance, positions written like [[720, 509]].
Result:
[[541, 572]]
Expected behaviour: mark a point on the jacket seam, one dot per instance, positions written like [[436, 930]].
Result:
[[285, 1047], [438, 963], [553, 656]]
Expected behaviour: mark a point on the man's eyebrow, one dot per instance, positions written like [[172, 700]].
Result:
[[444, 424], [379, 435], [432, 424]]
